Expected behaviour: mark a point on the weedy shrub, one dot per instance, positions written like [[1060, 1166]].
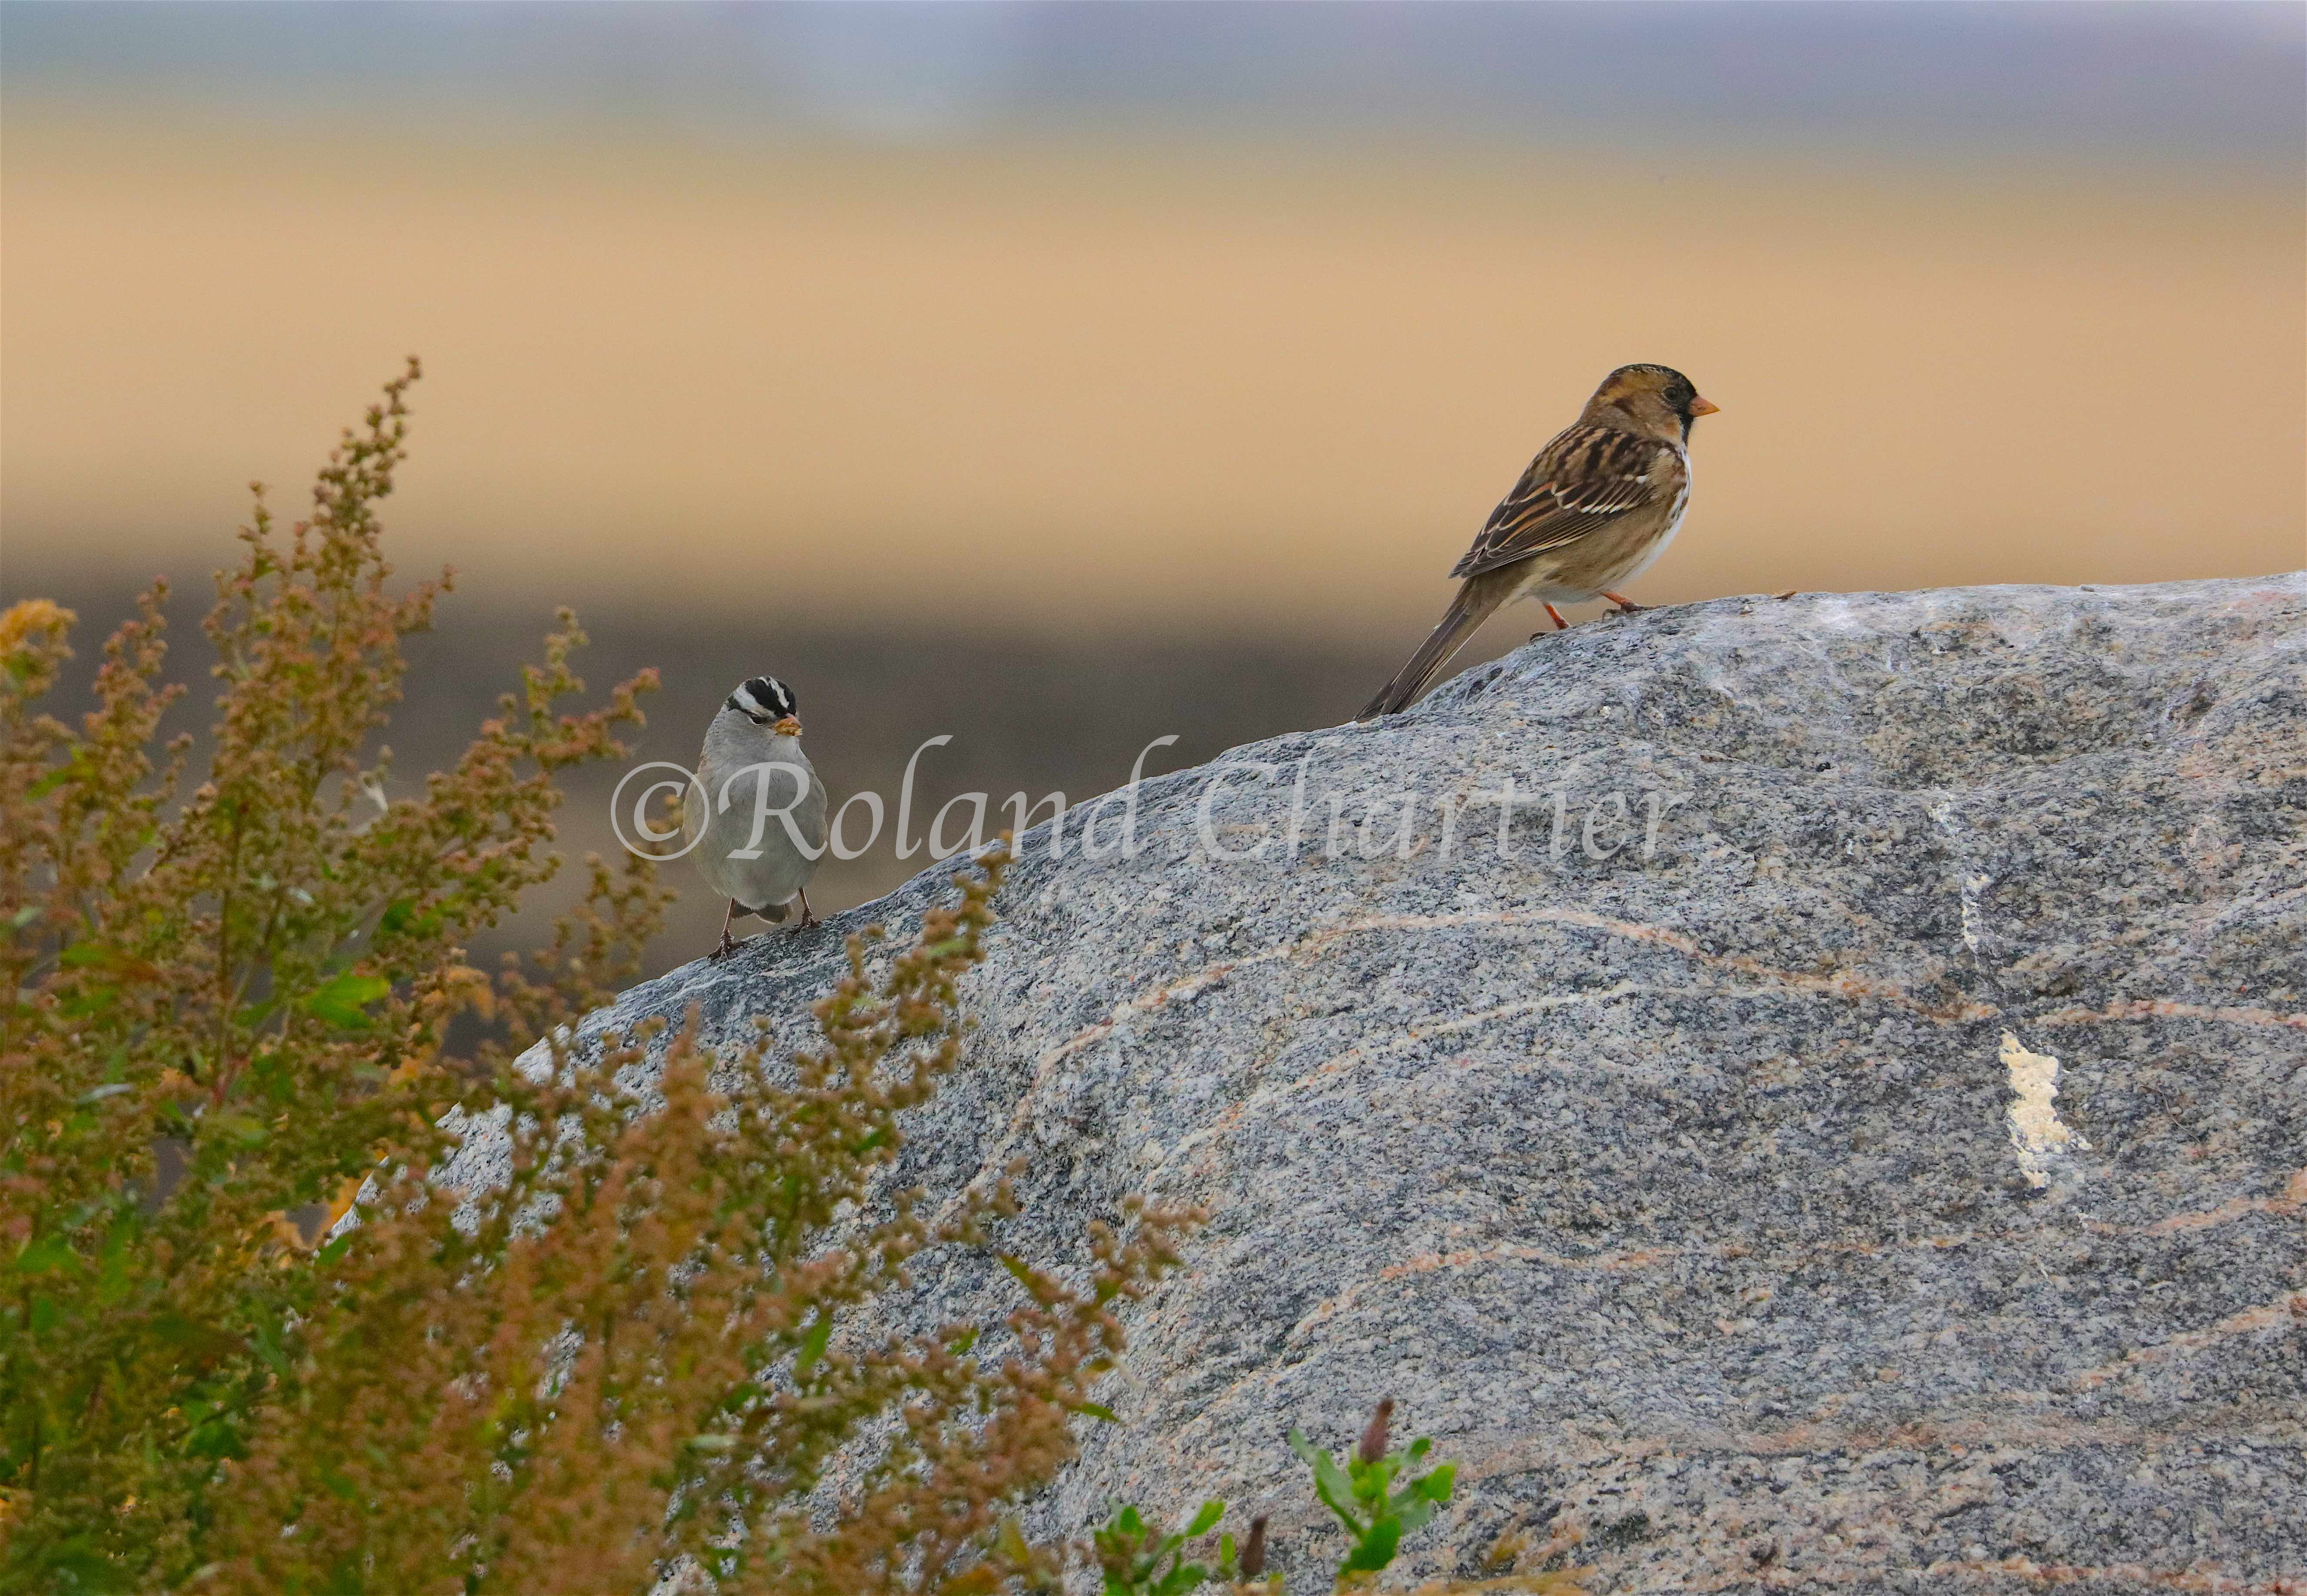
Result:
[[220, 1011], [622, 1366], [625, 1365], [1137, 1559], [1361, 1495]]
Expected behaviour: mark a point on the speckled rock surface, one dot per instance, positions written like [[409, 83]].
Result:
[[1693, 1172]]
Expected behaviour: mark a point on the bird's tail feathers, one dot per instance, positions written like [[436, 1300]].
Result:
[[1472, 606]]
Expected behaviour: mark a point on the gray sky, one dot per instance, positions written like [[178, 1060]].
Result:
[[2190, 82]]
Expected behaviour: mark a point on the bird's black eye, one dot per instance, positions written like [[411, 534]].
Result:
[[1680, 397]]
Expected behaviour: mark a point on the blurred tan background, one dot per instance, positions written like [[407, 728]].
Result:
[[1061, 376]]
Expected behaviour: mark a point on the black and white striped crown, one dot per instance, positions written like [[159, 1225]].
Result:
[[763, 698]]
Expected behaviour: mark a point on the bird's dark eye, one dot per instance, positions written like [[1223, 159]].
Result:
[[1679, 396]]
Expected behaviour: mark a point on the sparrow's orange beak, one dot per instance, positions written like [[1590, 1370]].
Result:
[[787, 727], [1698, 406]]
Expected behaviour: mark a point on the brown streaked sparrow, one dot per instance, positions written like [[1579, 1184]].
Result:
[[1599, 504]]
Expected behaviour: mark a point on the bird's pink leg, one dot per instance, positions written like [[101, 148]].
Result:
[[807, 918], [728, 943], [1626, 607], [1555, 616]]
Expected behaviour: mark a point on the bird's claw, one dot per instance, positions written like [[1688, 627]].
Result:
[[808, 921], [729, 945]]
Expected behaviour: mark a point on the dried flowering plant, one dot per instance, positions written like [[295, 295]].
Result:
[[627, 1365], [230, 1009], [220, 1011]]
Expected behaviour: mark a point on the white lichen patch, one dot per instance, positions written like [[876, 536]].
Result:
[[1974, 920], [2037, 1130]]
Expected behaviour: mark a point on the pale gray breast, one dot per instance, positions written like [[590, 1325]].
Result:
[[743, 762]]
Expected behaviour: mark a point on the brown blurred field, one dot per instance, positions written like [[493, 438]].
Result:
[[1062, 449], [1082, 386]]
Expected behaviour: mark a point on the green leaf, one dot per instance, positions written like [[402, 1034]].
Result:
[[93, 999], [1206, 1519], [1375, 1549], [267, 1342], [24, 916], [276, 1079], [112, 1280], [87, 1568], [45, 1255], [1010, 1541], [1330, 1484], [1098, 1409], [1370, 1479], [340, 1003], [813, 1344], [244, 1129], [214, 1438], [80, 956], [202, 1342], [334, 1250], [53, 780]]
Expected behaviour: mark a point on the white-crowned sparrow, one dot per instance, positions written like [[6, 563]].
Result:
[[762, 810]]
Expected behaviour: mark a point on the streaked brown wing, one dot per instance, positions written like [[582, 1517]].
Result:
[[1586, 477]]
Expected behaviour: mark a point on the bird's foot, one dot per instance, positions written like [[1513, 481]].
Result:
[[808, 921], [1626, 607], [729, 945]]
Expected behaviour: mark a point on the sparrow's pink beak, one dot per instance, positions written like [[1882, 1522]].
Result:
[[787, 727], [1698, 406]]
